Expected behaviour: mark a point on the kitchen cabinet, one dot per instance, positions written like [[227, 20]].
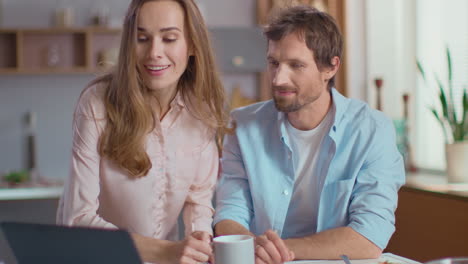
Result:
[[431, 219], [55, 50]]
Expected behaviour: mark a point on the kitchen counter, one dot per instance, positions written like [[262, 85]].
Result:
[[9, 194], [436, 183], [45, 189]]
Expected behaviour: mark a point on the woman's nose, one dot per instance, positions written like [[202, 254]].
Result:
[[156, 50]]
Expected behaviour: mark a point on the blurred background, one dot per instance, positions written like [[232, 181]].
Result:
[[50, 50]]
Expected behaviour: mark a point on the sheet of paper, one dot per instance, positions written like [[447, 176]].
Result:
[[385, 257]]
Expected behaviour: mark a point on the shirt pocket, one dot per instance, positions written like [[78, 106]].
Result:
[[337, 197]]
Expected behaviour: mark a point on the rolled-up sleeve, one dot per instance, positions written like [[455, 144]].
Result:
[[233, 198], [375, 194], [198, 209]]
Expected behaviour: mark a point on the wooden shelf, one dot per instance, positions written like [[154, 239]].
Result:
[[56, 50]]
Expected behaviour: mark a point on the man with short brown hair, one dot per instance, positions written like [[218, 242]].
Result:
[[311, 173]]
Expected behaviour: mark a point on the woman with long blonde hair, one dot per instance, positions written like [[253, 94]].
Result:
[[146, 136]]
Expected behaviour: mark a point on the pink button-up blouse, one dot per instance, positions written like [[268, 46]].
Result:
[[184, 171]]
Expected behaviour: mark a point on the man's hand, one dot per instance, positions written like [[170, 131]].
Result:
[[193, 249], [271, 249]]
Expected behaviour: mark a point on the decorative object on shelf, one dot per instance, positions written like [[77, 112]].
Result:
[[31, 151], [454, 126], [378, 85], [63, 14], [100, 14], [408, 157], [16, 177], [400, 131], [52, 55], [64, 17]]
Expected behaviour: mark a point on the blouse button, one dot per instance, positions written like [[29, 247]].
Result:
[[285, 192]]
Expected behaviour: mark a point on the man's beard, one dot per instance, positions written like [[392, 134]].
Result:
[[285, 105]]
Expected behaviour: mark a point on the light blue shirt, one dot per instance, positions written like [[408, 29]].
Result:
[[360, 171]]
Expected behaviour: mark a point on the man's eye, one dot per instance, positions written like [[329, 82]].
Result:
[[273, 63], [296, 65]]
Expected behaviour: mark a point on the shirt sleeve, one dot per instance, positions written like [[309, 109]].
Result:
[[198, 209], [233, 197], [375, 195], [79, 203]]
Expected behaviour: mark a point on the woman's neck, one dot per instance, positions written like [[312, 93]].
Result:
[[163, 99]]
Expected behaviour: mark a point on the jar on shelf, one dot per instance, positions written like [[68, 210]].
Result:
[[100, 14], [64, 14]]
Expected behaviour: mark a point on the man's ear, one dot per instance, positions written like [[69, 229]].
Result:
[[331, 71]]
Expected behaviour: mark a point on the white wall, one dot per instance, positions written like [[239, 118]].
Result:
[[390, 52], [356, 52]]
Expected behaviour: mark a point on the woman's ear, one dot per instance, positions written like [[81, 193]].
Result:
[[191, 50]]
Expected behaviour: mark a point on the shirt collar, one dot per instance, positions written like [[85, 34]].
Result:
[[177, 101], [339, 102]]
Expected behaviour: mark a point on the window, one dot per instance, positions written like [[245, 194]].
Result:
[[439, 24]]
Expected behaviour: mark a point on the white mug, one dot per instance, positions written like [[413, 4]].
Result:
[[234, 249]]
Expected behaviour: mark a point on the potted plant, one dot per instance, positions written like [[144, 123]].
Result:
[[454, 126]]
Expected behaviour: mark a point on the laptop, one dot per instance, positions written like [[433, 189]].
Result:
[[52, 244]]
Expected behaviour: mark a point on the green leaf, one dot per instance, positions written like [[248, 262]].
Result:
[[458, 133], [450, 84], [16, 176], [449, 64], [435, 114], [443, 98], [465, 112], [421, 69], [441, 122]]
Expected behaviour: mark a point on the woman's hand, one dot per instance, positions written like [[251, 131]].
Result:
[[193, 249]]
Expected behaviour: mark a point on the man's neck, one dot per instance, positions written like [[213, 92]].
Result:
[[311, 115]]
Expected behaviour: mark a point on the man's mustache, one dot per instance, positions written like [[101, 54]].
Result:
[[283, 89]]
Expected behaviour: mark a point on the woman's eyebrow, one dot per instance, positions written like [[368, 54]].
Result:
[[161, 30]]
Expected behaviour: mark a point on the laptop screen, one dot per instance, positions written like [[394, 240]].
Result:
[[52, 244]]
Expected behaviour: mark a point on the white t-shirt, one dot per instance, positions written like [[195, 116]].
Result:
[[302, 212]]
